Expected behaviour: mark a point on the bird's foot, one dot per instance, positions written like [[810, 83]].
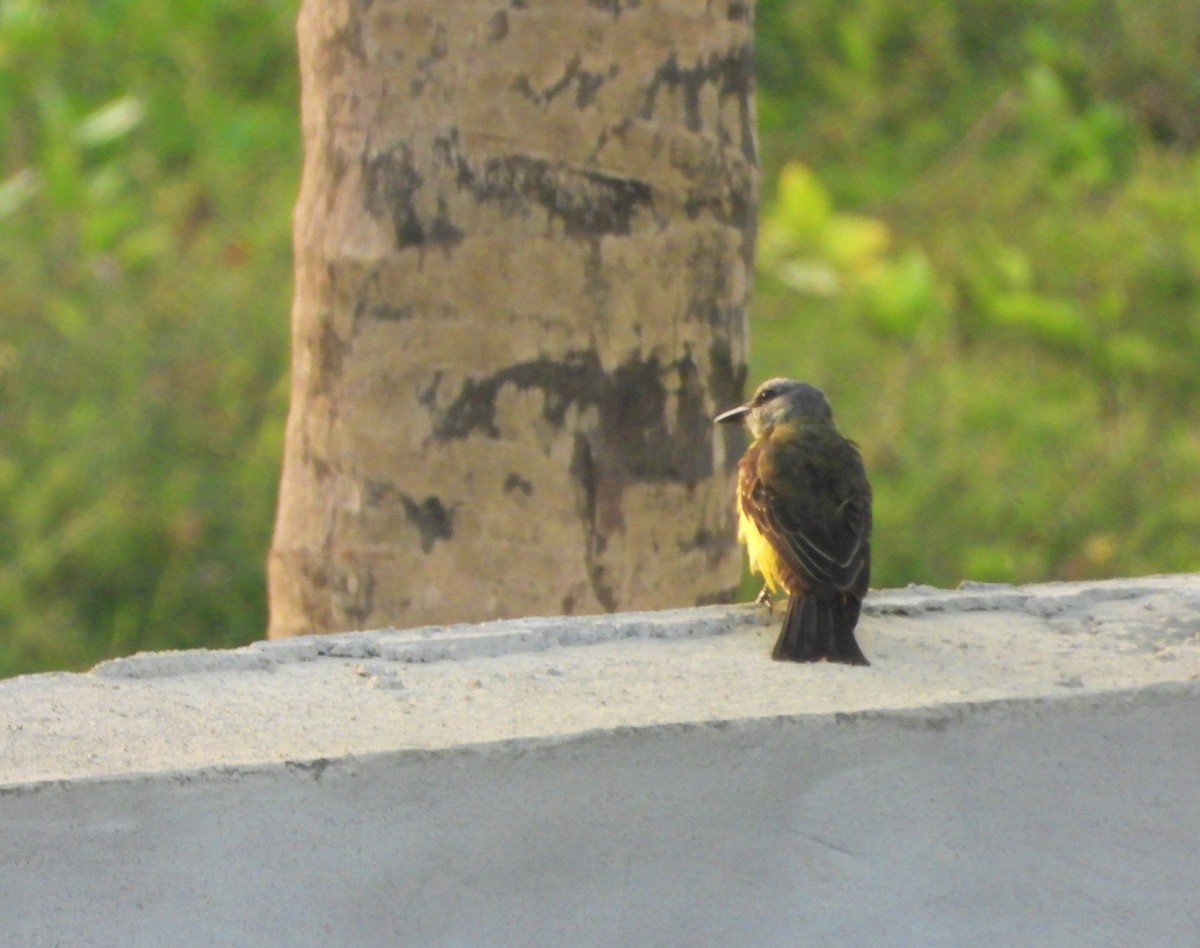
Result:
[[764, 599]]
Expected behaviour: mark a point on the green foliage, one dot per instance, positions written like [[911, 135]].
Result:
[[979, 235], [149, 154], [1013, 330]]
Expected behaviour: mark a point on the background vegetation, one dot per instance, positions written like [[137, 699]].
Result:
[[981, 235]]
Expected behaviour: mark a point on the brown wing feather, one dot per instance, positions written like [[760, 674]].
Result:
[[807, 493]]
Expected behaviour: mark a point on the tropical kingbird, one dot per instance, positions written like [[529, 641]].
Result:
[[804, 513]]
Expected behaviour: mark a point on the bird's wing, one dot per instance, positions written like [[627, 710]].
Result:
[[815, 514]]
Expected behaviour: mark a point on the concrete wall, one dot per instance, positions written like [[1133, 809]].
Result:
[[1018, 766]]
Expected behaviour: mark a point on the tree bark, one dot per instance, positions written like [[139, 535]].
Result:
[[524, 247]]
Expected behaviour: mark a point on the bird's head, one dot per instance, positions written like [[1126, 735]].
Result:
[[780, 400]]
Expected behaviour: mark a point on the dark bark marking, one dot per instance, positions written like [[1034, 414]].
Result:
[[587, 203], [431, 517], [377, 492], [727, 382], [614, 7], [515, 482], [474, 409], [739, 11], [710, 299], [733, 75], [634, 425], [346, 39], [583, 472], [437, 52], [596, 285], [448, 154], [708, 282], [373, 300], [741, 84], [392, 184], [727, 194], [693, 434], [334, 589], [714, 546], [428, 397], [330, 351], [357, 600], [587, 84], [321, 467], [337, 163], [383, 312], [317, 603], [442, 231], [637, 439], [499, 27], [634, 437]]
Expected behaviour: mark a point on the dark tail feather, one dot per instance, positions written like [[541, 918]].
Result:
[[816, 629]]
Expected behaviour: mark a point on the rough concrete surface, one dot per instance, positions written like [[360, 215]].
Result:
[[1018, 766]]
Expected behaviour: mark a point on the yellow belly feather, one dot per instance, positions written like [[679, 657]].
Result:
[[763, 559]]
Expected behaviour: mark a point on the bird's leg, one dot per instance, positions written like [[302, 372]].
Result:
[[764, 599]]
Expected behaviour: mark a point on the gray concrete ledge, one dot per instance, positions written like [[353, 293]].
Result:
[[443, 687], [1017, 766]]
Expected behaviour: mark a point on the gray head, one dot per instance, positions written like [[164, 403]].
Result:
[[779, 400]]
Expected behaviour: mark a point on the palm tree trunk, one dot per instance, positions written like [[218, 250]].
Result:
[[524, 248]]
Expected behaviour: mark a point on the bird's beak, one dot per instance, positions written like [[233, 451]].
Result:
[[734, 414]]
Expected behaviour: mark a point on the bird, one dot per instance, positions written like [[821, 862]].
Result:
[[804, 515]]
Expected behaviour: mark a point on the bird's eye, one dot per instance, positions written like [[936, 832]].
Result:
[[764, 396]]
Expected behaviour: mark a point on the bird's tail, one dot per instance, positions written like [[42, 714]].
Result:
[[816, 629]]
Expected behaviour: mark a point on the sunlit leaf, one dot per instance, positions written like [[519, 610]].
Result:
[[17, 189], [1052, 319], [110, 122]]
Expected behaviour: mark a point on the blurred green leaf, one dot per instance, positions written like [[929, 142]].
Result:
[[18, 189], [1059, 321], [855, 243], [1133, 352], [902, 295], [110, 122]]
